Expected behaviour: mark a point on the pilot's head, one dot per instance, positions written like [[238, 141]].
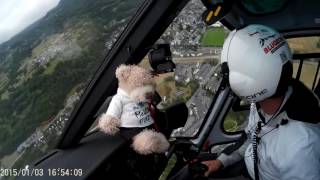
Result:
[[259, 61]]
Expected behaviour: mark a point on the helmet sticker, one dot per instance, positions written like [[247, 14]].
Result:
[[255, 95], [274, 45], [262, 40], [264, 34]]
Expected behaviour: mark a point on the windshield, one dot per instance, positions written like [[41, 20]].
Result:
[[195, 50], [49, 50]]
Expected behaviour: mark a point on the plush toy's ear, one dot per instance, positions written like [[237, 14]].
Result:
[[123, 72], [149, 141]]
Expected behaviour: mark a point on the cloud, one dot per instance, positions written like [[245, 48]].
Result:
[[16, 15]]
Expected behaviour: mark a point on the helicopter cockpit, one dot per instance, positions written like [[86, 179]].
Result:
[[180, 41]]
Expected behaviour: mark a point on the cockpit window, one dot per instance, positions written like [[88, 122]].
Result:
[[196, 51], [45, 66], [303, 45], [306, 45], [263, 6]]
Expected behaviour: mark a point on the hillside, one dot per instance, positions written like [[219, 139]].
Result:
[[51, 59]]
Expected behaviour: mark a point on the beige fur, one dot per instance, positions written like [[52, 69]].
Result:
[[109, 124], [131, 77], [123, 72], [149, 141]]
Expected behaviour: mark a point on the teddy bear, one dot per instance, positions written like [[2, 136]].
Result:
[[130, 108]]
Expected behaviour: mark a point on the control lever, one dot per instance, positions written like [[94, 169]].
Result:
[[183, 148]]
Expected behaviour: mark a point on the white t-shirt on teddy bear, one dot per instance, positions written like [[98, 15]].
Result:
[[130, 112]]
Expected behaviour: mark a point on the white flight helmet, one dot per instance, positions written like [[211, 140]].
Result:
[[257, 56]]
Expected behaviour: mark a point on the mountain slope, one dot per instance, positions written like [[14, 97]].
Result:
[[43, 65]]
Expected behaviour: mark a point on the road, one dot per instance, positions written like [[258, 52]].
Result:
[[191, 59], [202, 103]]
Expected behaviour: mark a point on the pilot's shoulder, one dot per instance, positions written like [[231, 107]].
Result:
[[294, 139], [300, 133]]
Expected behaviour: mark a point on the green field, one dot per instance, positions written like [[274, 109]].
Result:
[[213, 37], [234, 120], [230, 125]]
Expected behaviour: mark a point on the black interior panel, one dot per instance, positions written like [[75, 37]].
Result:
[[89, 155]]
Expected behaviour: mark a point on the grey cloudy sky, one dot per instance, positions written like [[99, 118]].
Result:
[[16, 15]]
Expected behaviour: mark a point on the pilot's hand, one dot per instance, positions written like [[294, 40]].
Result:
[[213, 165]]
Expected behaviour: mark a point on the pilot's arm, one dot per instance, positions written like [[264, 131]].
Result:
[[235, 156], [226, 159]]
